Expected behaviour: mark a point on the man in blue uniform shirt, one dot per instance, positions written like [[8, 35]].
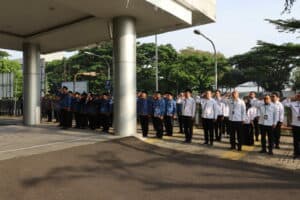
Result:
[[105, 111], [65, 103], [143, 111], [76, 109], [158, 108], [170, 113]]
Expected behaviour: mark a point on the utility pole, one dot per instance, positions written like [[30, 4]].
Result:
[[156, 63]]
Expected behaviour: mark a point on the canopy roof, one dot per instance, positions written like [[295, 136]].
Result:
[[67, 24]]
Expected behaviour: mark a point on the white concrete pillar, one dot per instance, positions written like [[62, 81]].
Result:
[[124, 48], [31, 84]]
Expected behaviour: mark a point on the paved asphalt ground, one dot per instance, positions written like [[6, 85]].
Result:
[[131, 169]]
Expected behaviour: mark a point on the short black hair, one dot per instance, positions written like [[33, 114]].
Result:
[[188, 90], [157, 92], [65, 87], [169, 93], [218, 91], [145, 92], [275, 94]]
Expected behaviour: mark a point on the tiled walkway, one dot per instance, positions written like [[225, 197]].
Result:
[[282, 158]]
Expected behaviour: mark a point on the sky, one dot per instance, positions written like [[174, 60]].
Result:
[[240, 23]]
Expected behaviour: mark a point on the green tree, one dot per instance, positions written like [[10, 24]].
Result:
[[288, 4], [269, 65], [295, 80], [202, 67], [3, 54], [177, 70], [289, 25], [64, 70], [233, 78]]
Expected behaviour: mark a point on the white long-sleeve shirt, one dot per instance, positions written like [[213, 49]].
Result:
[[237, 110], [268, 113], [251, 114], [295, 107], [280, 111], [188, 107], [220, 106], [226, 110], [209, 108]]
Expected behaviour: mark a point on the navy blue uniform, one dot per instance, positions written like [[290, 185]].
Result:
[[169, 115], [76, 111], [143, 111], [65, 104], [158, 109], [105, 110], [92, 111]]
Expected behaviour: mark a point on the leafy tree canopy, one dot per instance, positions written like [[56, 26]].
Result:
[[269, 65]]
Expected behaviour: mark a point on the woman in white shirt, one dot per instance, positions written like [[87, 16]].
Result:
[[248, 123], [294, 104]]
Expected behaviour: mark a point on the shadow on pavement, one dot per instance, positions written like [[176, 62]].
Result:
[[141, 167]]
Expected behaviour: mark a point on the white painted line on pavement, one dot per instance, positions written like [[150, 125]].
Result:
[[53, 143]]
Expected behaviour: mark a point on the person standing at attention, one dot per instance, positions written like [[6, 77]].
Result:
[[188, 115]]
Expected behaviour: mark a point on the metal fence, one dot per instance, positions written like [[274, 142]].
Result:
[[10, 107], [6, 85]]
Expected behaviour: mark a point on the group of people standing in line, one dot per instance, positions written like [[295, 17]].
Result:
[[88, 110], [242, 119]]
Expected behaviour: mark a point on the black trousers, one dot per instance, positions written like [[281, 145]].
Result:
[[60, 117], [169, 125], [277, 134], [179, 116], [57, 115], [65, 118], [225, 126], [256, 128], [144, 120], [267, 131], [153, 123], [248, 134], [105, 119], [83, 120], [49, 115], [77, 119], [218, 128], [70, 119], [236, 132], [158, 126], [92, 118], [111, 119], [296, 138], [208, 126], [188, 128]]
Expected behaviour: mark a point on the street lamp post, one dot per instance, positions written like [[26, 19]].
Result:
[[82, 74], [156, 64], [106, 62], [215, 55]]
